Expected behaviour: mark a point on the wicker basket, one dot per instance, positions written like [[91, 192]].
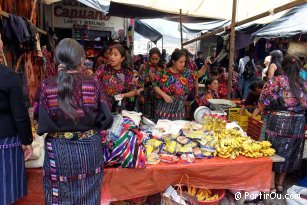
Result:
[[190, 200]]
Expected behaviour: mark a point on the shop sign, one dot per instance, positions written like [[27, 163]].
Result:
[[69, 12]]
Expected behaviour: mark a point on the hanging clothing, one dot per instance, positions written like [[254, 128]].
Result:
[[51, 69], [116, 82]]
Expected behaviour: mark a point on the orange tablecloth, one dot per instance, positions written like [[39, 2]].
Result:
[[215, 173]]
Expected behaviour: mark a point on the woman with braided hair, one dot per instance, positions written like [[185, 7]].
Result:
[[72, 108]]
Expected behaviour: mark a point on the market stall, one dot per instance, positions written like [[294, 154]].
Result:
[[120, 184], [215, 173]]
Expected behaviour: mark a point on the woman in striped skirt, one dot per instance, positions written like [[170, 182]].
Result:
[[71, 107], [15, 137], [285, 97], [173, 85]]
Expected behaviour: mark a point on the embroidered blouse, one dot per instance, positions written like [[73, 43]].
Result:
[[277, 95], [147, 75], [209, 94], [89, 99], [115, 81], [176, 84], [191, 65]]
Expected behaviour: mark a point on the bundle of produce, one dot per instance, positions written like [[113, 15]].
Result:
[[205, 195], [231, 143]]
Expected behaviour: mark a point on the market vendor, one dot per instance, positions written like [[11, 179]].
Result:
[[191, 65], [223, 82], [211, 92], [253, 97], [117, 79], [147, 75], [173, 85], [103, 57], [285, 97]]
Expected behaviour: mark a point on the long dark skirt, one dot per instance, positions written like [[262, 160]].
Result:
[[286, 133], [73, 171], [170, 111], [148, 108], [13, 184]]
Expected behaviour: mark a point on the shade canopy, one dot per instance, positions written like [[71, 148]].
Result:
[[292, 23], [191, 9]]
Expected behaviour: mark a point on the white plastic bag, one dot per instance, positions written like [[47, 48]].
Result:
[[292, 198]]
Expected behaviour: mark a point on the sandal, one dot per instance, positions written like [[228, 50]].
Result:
[[273, 190], [279, 188]]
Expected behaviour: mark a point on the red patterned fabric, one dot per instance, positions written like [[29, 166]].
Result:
[[89, 99], [50, 65], [115, 82]]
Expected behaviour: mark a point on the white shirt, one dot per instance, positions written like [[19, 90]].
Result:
[[264, 71], [242, 63]]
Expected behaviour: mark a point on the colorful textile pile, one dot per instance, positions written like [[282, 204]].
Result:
[[127, 151]]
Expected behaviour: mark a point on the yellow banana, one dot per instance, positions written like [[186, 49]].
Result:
[[193, 192], [189, 190], [206, 193]]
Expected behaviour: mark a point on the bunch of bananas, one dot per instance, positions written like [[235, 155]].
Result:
[[256, 149], [202, 194], [229, 147], [268, 152], [231, 143]]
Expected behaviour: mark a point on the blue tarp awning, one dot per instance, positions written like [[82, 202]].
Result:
[[147, 31], [292, 23]]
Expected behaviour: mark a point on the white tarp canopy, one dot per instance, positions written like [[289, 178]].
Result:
[[214, 9], [100, 5]]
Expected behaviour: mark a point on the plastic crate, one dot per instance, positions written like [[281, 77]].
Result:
[[254, 127], [232, 112], [242, 119], [244, 127]]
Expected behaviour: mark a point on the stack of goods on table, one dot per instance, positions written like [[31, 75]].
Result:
[[207, 140]]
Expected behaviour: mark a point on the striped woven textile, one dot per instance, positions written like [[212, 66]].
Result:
[[13, 184], [170, 111], [73, 170], [127, 151], [286, 133]]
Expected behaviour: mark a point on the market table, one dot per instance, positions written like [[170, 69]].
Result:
[[216, 173], [119, 184]]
